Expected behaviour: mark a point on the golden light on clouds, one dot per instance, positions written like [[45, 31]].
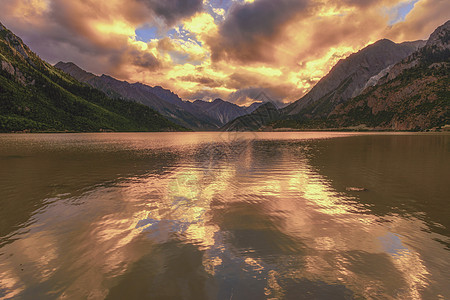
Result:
[[212, 48], [114, 28], [202, 24], [31, 8]]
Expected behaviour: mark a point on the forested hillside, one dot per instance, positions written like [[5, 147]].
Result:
[[35, 96]]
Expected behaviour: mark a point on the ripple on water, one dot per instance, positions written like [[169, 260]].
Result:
[[217, 216]]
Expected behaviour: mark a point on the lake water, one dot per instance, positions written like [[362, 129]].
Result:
[[225, 216]]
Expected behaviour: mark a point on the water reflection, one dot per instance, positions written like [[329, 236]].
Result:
[[207, 216]]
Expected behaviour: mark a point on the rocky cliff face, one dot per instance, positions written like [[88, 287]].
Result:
[[23, 56], [16, 44], [436, 45], [349, 77], [414, 95], [401, 104], [439, 39]]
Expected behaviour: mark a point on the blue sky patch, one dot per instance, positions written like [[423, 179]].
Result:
[[398, 13], [146, 33]]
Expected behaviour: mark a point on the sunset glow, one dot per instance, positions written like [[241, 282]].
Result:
[[203, 49]]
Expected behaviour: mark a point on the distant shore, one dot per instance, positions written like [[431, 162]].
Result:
[[346, 129]]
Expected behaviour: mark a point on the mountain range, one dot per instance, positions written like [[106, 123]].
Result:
[[197, 115], [384, 86], [413, 95], [264, 114], [35, 96], [348, 77]]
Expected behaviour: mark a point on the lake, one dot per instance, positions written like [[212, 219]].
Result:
[[296, 215]]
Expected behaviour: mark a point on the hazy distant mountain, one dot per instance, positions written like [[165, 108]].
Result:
[[164, 101], [348, 77], [197, 115], [264, 114], [252, 107], [221, 110], [34, 96]]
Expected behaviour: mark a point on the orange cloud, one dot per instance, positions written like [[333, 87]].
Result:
[[426, 16], [281, 47]]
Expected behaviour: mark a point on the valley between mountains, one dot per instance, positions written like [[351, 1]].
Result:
[[384, 86]]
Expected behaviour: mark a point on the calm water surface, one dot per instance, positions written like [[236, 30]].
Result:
[[225, 216]]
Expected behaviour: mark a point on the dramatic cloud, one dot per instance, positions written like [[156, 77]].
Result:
[[171, 11], [421, 21], [250, 29], [204, 49]]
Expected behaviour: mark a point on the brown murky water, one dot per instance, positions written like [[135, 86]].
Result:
[[225, 216]]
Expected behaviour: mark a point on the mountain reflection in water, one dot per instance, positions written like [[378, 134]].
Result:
[[224, 216]]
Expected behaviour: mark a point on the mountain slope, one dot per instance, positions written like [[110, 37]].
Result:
[[197, 115], [34, 96], [252, 107], [349, 77], [264, 114], [221, 110], [413, 95], [163, 101], [345, 80]]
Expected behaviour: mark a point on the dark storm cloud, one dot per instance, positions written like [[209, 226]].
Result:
[[203, 80], [71, 33], [250, 29], [252, 39], [142, 59], [357, 3], [172, 11], [206, 95]]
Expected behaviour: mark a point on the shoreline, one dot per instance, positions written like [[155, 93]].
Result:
[[444, 130]]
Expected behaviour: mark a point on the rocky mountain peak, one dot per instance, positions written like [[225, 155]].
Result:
[[74, 70], [440, 38], [15, 43], [434, 51], [383, 42], [349, 76]]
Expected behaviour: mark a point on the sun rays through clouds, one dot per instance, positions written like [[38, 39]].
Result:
[[203, 49]]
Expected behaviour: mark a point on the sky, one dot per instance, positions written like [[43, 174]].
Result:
[[205, 49]]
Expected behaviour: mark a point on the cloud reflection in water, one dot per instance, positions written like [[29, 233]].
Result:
[[256, 219]]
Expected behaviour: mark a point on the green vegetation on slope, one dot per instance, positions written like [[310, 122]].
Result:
[[34, 96], [417, 99]]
